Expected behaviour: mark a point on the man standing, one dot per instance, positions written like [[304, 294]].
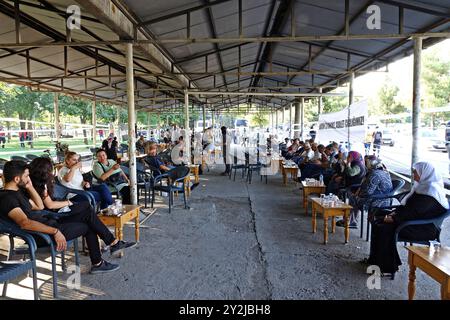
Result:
[[224, 151], [377, 140]]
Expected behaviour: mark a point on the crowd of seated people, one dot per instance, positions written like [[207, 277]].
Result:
[[27, 199]]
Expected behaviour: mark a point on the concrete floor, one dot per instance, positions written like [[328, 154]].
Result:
[[238, 241]]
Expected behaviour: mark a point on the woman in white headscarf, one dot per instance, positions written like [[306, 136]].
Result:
[[427, 199]]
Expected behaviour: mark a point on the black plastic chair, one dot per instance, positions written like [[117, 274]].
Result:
[[13, 269], [239, 166], [31, 157], [397, 185], [437, 221], [174, 178], [20, 158], [49, 246], [2, 163], [143, 178]]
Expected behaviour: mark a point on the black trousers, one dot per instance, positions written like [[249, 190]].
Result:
[[84, 222], [383, 250], [125, 195]]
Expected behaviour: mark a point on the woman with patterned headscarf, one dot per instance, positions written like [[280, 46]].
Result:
[[376, 182], [427, 199]]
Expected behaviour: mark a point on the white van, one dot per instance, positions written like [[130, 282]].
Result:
[[199, 125]]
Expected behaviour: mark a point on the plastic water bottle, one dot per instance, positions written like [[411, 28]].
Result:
[[321, 180]]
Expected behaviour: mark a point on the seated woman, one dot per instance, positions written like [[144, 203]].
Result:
[[427, 199], [154, 161], [353, 171], [70, 176], [108, 170], [41, 175], [377, 181]]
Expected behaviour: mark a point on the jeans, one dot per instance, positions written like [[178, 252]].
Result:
[[101, 194]]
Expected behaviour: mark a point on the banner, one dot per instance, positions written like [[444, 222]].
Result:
[[334, 126]]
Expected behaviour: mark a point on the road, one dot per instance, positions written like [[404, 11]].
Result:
[[398, 159]]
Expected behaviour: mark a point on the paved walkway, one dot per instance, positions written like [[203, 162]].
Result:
[[240, 241]]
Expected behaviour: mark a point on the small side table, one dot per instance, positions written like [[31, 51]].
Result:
[[131, 212], [436, 265], [336, 211], [310, 189]]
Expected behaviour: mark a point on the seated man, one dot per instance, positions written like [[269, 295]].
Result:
[[140, 144], [153, 160], [19, 198]]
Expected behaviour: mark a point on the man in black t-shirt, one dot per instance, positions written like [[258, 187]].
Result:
[[18, 201]]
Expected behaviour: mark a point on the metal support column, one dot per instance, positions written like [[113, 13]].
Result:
[[131, 123], [302, 118], [276, 120], [416, 101], [117, 133], [187, 138], [94, 121], [350, 102], [204, 117], [297, 119], [56, 109], [319, 105], [290, 120]]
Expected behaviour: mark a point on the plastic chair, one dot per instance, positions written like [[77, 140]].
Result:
[[31, 157], [173, 177], [11, 270], [397, 185], [20, 158], [143, 178], [49, 245], [437, 221]]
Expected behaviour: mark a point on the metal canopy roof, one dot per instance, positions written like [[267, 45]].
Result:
[[208, 45]]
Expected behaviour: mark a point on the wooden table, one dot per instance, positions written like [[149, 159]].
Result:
[[311, 189], [131, 212], [293, 171], [436, 265], [195, 169], [336, 211]]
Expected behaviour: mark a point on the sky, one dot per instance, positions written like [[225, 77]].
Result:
[[400, 73]]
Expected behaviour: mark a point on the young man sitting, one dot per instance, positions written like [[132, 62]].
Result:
[[19, 199]]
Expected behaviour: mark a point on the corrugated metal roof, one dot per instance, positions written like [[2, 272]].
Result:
[[205, 63]]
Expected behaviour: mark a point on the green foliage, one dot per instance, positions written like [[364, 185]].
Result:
[[388, 99], [260, 119], [334, 104], [436, 75]]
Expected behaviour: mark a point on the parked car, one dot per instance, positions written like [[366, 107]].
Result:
[[388, 137]]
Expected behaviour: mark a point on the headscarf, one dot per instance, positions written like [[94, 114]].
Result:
[[430, 184], [374, 163], [356, 157], [110, 140]]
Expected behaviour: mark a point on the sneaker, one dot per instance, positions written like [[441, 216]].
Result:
[[352, 225], [104, 267], [120, 245]]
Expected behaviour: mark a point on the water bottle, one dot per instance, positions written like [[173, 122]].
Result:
[[321, 180]]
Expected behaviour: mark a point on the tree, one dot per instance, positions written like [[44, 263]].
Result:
[[78, 108], [334, 104], [6, 110], [436, 75], [260, 119], [387, 96]]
